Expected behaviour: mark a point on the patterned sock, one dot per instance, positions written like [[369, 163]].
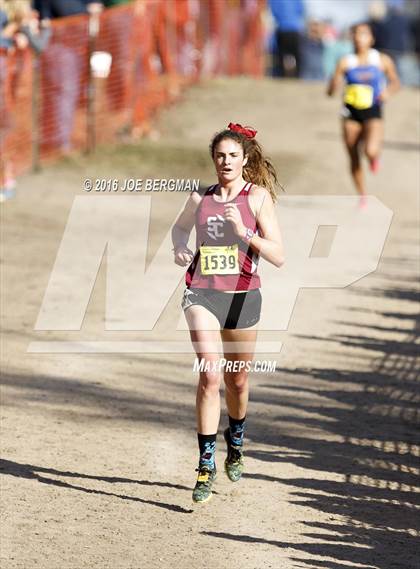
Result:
[[236, 429], [207, 445]]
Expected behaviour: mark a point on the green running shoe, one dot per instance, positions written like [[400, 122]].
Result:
[[234, 463], [202, 491]]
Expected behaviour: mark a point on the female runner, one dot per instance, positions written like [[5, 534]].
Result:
[[370, 79], [235, 224]]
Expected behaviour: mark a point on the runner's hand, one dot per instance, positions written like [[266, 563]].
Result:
[[183, 256], [384, 96], [233, 215]]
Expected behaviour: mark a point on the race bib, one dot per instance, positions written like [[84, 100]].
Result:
[[219, 260], [359, 96]]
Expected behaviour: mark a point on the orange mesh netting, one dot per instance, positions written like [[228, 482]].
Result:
[[144, 54]]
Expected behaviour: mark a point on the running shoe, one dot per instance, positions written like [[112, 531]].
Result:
[[374, 165], [202, 491], [234, 463], [363, 203]]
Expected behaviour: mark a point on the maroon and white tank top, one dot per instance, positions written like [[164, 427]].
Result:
[[223, 261]]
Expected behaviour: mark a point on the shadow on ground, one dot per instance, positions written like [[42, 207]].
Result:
[[369, 418], [38, 473], [374, 446]]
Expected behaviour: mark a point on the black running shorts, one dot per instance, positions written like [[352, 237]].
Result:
[[360, 115], [232, 309]]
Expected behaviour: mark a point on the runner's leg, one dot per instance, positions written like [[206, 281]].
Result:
[[236, 394], [373, 133], [352, 135], [236, 382], [204, 332]]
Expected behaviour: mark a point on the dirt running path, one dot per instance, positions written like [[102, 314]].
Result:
[[99, 451]]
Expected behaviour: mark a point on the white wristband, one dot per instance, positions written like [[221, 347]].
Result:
[[249, 234]]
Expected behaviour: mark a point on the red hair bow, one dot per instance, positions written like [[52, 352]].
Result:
[[247, 131]]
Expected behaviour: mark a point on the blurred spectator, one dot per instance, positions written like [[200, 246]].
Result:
[[116, 38], [397, 32], [186, 57], [111, 3], [343, 13], [20, 26], [312, 50], [330, 32], [38, 33], [391, 28], [20, 29], [61, 75], [7, 31], [377, 15], [62, 8], [289, 18], [251, 33], [63, 65], [415, 30], [335, 47]]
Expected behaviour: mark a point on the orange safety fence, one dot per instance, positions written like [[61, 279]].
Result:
[[102, 79]]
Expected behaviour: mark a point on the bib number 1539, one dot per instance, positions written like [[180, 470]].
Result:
[[219, 260]]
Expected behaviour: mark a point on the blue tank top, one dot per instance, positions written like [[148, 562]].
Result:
[[370, 76]]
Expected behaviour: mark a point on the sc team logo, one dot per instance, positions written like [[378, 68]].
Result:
[[214, 225]]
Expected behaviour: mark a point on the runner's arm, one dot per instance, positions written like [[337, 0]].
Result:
[[181, 230], [391, 74], [270, 248], [336, 79]]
